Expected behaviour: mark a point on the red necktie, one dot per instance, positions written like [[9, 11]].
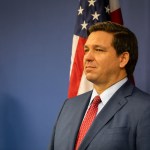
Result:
[[87, 121]]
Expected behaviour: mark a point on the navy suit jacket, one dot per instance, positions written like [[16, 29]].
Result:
[[123, 123]]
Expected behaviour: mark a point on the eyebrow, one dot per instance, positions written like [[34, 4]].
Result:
[[85, 46], [95, 46]]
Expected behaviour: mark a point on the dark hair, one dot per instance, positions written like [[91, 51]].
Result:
[[124, 41]]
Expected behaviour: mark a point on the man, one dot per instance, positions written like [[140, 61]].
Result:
[[122, 120]]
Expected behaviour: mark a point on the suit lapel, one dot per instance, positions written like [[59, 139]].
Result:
[[80, 104], [111, 108]]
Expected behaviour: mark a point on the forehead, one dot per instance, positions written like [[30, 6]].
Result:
[[100, 37]]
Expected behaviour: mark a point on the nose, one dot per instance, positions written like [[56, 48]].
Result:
[[88, 56]]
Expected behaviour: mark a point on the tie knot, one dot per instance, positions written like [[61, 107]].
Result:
[[96, 100]]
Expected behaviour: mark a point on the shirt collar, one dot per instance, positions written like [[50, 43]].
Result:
[[108, 93]]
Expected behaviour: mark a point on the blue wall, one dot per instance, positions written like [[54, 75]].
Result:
[[35, 49]]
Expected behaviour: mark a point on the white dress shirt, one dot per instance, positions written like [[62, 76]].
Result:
[[107, 94]]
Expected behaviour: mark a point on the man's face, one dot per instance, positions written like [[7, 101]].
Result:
[[101, 63]]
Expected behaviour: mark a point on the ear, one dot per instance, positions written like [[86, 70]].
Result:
[[124, 58]]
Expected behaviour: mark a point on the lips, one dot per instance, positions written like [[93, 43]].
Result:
[[89, 68]]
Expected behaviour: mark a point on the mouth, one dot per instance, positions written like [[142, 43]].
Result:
[[89, 68]]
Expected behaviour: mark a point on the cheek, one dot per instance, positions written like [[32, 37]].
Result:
[[83, 62], [101, 61], [106, 63], [84, 59]]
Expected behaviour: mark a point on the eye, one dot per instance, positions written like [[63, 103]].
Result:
[[86, 50], [99, 50]]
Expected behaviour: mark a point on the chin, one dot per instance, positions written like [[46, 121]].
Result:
[[89, 78]]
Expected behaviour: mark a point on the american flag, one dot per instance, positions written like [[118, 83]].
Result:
[[89, 12]]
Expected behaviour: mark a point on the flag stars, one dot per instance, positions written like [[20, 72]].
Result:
[[84, 25], [80, 11], [107, 9], [91, 2], [95, 15]]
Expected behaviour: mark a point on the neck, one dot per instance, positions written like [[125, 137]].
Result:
[[100, 88]]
